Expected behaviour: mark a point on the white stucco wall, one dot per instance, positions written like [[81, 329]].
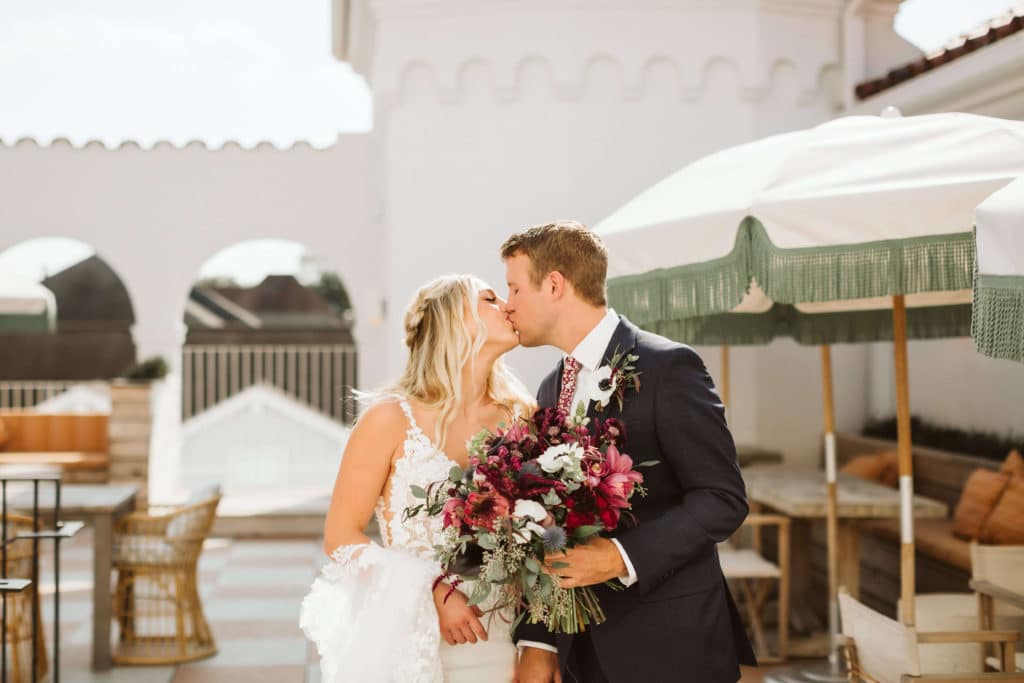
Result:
[[492, 122], [157, 215]]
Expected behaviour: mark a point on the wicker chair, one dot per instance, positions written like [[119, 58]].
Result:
[[19, 609], [156, 600]]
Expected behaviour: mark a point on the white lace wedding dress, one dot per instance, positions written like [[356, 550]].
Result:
[[371, 612]]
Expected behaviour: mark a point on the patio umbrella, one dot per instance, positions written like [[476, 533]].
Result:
[[25, 306], [998, 317], [856, 230]]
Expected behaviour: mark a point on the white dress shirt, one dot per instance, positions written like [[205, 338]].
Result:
[[590, 354]]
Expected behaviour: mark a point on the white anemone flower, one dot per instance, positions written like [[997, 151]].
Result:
[[561, 456], [602, 374], [529, 509], [529, 530]]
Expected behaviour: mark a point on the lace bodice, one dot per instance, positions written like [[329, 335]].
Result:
[[422, 463]]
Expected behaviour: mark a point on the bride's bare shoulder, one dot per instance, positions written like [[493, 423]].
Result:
[[383, 416]]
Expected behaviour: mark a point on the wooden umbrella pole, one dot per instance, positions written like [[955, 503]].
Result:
[[832, 507], [903, 449]]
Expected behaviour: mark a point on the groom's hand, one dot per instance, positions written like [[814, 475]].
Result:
[[537, 666], [595, 562]]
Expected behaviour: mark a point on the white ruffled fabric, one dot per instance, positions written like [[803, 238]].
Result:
[[371, 615]]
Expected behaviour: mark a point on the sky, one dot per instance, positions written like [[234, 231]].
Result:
[[217, 70]]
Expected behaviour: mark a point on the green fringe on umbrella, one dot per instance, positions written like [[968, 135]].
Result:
[[998, 322], [784, 320], [814, 274]]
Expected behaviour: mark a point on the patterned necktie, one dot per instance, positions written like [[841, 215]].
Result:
[[570, 371]]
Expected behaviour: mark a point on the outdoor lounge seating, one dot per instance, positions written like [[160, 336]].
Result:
[[78, 444], [877, 648], [156, 600]]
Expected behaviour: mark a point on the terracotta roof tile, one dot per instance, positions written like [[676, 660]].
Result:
[[927, 63]]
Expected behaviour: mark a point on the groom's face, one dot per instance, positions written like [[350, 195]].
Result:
[[528, 308]]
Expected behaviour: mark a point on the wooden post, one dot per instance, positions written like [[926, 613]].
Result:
[[131, 426], [903, 449], [832, 502]]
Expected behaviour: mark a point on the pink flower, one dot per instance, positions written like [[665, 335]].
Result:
[[617, 478], [482, 509], [454, 510]]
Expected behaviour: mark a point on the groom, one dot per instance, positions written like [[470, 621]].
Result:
[[674, 619]]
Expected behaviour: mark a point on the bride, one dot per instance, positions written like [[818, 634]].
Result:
[[376, 612]]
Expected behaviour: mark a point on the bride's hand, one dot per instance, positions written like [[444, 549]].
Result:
[[458, 620]]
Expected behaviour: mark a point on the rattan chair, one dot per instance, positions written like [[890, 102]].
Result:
[[19, 609], [156, 600]]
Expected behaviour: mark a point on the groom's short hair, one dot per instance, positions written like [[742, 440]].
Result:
[[568, 247]]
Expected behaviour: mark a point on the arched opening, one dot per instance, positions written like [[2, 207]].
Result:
[[268, 367], [82, 332]]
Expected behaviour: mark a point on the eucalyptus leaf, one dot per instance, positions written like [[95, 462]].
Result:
[[418, 491], [586, 531]]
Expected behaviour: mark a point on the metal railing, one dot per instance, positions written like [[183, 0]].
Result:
[[319, 375], [29, 393]]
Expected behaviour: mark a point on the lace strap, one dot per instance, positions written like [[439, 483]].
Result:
[[414, 429]]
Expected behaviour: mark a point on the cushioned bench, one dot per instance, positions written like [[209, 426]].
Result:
[[77, 443]]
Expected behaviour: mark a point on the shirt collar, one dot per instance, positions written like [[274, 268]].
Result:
[[590, 351]]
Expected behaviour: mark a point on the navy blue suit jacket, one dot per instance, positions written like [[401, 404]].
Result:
[[678, 622]]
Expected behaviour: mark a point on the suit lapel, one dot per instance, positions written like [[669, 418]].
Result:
[[623, 341]]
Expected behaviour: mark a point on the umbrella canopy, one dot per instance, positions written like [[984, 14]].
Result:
[[25, 306], [998, 322], [830, 235], [843, 215]]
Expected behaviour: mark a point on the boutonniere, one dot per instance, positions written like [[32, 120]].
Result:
[[613, 379]]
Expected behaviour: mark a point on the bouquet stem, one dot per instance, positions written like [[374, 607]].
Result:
[[578, 609]]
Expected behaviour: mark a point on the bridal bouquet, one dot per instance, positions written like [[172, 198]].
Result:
[[532, 490]]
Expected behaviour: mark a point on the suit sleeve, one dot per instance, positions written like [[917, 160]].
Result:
[[535, 633], [699, 452]]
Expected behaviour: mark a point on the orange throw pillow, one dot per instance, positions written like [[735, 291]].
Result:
[[1013, 465], [870, 467], [1005, 526], [979, 497], [4, 437], [891, 475]]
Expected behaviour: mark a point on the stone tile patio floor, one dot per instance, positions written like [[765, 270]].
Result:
[[251, 594]]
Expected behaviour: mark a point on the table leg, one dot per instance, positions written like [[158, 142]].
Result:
[[102, 529], [849, 557]]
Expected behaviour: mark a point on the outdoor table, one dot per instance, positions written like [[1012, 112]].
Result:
[[99, 506], [800, 493]]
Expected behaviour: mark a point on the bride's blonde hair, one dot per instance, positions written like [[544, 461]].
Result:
[[441, 344]]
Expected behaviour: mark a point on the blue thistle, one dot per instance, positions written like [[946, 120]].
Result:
[[554, 539]]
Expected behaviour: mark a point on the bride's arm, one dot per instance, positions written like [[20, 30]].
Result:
[[365, 465]]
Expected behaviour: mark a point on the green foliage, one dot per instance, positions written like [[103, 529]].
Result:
[[333, 292], [971, 442], [149, 369]]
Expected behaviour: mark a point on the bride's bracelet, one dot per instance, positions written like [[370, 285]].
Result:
[[452, 583]]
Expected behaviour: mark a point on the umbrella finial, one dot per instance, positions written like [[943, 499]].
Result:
[[891, 112]]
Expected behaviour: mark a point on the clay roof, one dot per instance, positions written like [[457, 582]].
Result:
[[997, 30]]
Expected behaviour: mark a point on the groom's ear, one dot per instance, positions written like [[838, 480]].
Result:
[[555, 284]]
